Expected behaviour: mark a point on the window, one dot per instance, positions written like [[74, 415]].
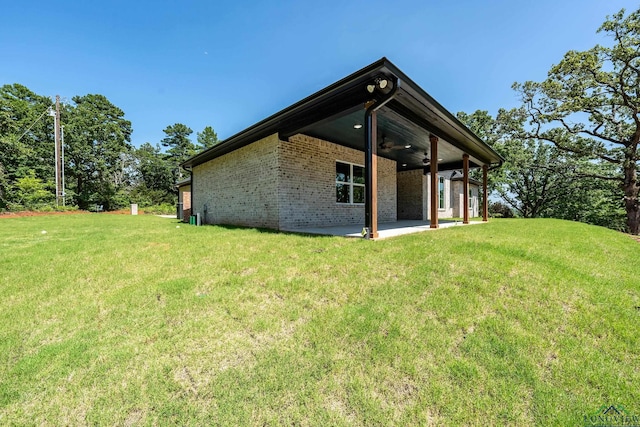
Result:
[[441, 192], [349, 183], [470, 199]]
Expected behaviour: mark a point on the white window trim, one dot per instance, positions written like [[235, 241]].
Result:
[[444, 193], [351, 184]]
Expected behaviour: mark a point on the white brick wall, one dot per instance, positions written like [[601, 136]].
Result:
[[278, 184], [240, 187], [307, 189], [411, 195], [458, 194]]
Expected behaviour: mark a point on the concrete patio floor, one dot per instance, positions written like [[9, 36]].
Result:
[[385, 230]]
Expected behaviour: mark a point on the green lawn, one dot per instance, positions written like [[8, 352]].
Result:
[[130, 320]]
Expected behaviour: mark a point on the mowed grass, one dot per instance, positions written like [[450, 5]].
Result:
[[121, 320]]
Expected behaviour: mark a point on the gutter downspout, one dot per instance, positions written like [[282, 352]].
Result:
[[500, 163], [370, 150]]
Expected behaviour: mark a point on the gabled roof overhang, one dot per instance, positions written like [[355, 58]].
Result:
[[404, 123]]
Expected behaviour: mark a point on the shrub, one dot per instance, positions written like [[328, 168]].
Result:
[[500, 210], [163, 209]]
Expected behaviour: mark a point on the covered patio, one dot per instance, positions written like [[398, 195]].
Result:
[[385, 230], [317, 163], [380, 111]]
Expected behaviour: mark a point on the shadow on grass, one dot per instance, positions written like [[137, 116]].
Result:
[[264, 230]]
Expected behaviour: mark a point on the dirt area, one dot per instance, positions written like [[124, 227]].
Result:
[[29, 213]]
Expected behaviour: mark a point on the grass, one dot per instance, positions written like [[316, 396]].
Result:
[[125, 320]]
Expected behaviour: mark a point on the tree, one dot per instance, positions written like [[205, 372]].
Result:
[[485, 126], [207, 138], [590, 200], [26, 134], [178, 141], [156, 183], [26, 140], [97, 135], [600, 85], [535, 174], [180, 146], [31, 191]]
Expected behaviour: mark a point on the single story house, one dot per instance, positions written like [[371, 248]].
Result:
[[372, 147]]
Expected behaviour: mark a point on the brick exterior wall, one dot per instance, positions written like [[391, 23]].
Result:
[[414, 199], [457, 194], [412, 193], [184, 197], [284, 185], [307, 185], [240, 187], [291, 184]]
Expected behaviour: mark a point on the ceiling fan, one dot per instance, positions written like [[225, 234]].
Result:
[[387, 145]]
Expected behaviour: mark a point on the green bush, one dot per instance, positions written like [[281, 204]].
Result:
[[32, 192], [500, 210], [163, 209]]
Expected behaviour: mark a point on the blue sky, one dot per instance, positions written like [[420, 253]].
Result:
[[230, 64]]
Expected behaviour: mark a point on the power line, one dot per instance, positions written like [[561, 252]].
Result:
[[34, 123]]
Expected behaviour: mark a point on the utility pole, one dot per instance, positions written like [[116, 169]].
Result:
[[63, 193], [58, 151]]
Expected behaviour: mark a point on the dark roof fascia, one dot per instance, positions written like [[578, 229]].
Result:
[[275, 122], [270, 125], [471, 181], [410, 86], [183, 182]]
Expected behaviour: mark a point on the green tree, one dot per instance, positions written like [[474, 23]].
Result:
[[485, 126], [97, 136], [180, 147], [590, 200], [592, 97], [207, 138], [156, 184], [4, 185], [537, 179], [31, 191], [26, 135]]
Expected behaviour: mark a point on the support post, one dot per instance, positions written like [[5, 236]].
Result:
[[485, 194], [465, 188], [371, 176], [434, 181], [370, 154]]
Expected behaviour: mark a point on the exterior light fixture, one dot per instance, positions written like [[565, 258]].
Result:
[[425, 164], [404, 165], [357, 126], [381, 83], [407, 146]]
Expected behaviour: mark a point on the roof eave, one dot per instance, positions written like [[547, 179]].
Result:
[[275, 122], [269, 125]]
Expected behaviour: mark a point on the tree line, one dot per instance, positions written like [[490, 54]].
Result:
[[102, 168], [571, 147]]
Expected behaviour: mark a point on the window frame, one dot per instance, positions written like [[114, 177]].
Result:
[[441, 193], [351, 184]]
